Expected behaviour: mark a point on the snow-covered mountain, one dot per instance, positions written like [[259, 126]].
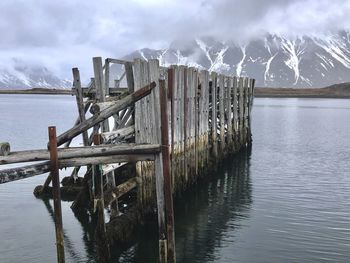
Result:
[[274, 61], [20, 76]]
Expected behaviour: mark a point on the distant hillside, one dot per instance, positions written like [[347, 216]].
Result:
[[341, 90], [273, 60], [22, 76]]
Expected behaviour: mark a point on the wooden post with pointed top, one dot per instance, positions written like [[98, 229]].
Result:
[[56, 193]]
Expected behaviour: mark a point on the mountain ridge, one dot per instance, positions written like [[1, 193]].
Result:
[[273, 60]]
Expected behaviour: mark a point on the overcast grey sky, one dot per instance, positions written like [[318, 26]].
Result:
[[66, 33]]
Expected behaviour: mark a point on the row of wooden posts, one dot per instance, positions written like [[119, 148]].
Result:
[[173, 123]]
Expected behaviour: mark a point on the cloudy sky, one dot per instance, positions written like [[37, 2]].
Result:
[[67, 33]]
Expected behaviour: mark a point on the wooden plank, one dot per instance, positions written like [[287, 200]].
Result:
[[165, 158], [80, 102], [222, 113], [119, 105], [100, 87], [241, 110], [117, 135], [214, 114], [118, 61], [205, 116], [73, 152], [171, 87], [229, 95], [106, 77], [105, 160], [129, 76], [87, 92], [245, 111], [235, 113], [201, 121], [186, 152], [195, 121]]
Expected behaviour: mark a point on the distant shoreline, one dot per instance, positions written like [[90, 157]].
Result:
[[331, 93], [38, 91]]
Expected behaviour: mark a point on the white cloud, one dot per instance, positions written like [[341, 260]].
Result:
[[67, 33]]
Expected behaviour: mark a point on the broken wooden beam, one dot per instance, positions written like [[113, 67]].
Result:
[[117, 134], [120, 190], [18, 173], [103, 115]]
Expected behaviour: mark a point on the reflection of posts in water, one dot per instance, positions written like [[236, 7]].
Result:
[[68, 244], [213, 209], [88, 225]]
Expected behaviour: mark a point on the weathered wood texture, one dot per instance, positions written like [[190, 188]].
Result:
[[209, 116], [81, 152], [105, 114]]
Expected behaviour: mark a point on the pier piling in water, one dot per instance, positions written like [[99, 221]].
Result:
[[169, 124], [56, 193]]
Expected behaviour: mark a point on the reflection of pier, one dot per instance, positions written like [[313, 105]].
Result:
[[214, 207]]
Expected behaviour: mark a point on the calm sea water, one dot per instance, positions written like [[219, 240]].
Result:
[[286, 200]]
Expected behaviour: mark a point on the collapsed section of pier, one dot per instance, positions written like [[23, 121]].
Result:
[[148, 134]]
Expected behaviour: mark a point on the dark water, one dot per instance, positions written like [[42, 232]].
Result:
[[288, 200]]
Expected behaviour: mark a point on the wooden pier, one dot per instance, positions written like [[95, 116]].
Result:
[[162, 130]]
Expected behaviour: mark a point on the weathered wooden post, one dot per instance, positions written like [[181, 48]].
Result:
[[102, 88], [169, 212], [101, 237], [4, 148], [214, 114], [221, 84], [56, 193]]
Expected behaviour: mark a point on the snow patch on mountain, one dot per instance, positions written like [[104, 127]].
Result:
[[240, 63]]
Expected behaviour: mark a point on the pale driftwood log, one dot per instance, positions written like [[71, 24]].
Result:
[[74, 152], [117, 134], [103, 115], [4, 148]]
